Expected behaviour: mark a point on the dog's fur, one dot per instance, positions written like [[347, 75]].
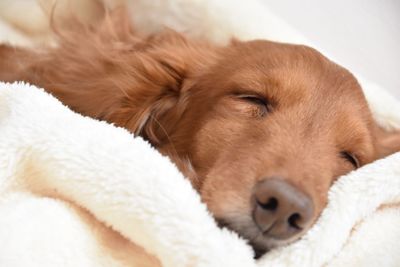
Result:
[[228, 116]]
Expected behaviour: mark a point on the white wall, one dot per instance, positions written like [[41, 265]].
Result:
[[362, 35]]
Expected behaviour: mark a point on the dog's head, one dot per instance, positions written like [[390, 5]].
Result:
[[266, 128]]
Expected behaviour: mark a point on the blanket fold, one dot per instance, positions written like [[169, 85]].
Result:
[[57, 153]]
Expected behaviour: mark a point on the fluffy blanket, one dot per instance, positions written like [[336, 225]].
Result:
[[79, 192]]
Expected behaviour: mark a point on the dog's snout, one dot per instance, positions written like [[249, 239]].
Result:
[[281, 210]]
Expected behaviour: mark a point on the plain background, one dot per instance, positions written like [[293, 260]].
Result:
[[362, 35]]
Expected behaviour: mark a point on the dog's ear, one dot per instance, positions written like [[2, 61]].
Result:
[[152, 76], [164, 72], [387, 142], [109, 73]]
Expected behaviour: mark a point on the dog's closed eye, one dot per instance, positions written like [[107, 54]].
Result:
[[351, 158], [262, 105]]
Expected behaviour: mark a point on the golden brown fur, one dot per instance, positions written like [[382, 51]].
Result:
[[228, 116]]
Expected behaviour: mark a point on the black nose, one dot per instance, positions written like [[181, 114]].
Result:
[[281, 210]]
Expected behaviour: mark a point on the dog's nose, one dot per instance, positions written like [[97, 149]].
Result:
[[281, 210]]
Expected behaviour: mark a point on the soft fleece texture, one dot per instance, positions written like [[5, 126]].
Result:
[[66, 181]]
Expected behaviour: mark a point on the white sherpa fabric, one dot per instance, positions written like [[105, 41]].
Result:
[[47, 151], [79, 192]]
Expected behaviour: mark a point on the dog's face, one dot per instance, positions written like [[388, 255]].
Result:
[[268, 128]]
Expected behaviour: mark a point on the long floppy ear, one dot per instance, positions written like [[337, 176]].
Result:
[[387, 142], [109, 73], [165, 69]]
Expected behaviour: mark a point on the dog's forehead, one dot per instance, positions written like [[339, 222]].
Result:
[[289, 69]]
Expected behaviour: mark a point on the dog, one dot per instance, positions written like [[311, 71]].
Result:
[[261, 129]]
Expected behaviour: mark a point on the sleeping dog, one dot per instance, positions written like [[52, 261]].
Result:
[[261, 129]]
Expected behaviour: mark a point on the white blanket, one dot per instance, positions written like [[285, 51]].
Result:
[[79, 192]]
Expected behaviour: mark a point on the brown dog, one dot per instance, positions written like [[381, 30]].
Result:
[[261, 129]]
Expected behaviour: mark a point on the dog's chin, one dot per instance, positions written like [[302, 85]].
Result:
[[260, 242]]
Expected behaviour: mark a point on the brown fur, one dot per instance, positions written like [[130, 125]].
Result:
[[196, 103]]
